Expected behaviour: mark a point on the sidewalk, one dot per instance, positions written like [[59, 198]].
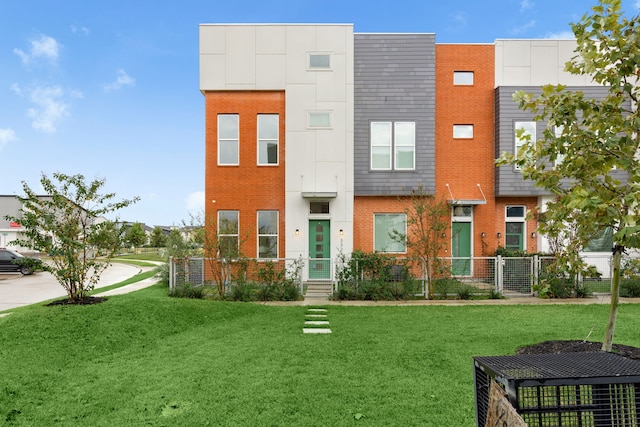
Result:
[[519, 300], [129, 288]]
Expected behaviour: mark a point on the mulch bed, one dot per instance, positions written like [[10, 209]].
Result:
[[83, 301], [560, 346]]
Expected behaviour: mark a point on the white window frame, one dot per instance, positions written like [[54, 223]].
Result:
[[391, 144], [519, 142], [463, 131], [391, 242], [237, 231], [516, 219], [267, 234], [461, 78], [380, 145], [265, 141], [224, 141], [397, 146]]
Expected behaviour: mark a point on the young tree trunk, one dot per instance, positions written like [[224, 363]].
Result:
[[607, 343]]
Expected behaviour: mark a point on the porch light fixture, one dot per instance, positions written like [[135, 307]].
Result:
[[297, 231], [499, 235], [444, 234], [341, 232], [483, 234], [533, 234]]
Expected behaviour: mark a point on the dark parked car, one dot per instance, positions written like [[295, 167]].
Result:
[[13, 261]]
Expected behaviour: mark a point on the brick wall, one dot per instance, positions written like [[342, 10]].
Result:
[[248, 187], [364, 209], [465, 163], [530, 244]]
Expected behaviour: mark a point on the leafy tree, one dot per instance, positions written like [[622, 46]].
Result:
[[157, 238], [195, 228], [427, 220], [135, 235], [177, 246], [69, 225], [198, 236], [594, 143]]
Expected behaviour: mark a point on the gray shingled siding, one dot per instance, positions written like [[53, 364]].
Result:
[[394, 81], [509, 181]]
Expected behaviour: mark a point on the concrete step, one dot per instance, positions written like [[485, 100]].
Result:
[[319, 289]]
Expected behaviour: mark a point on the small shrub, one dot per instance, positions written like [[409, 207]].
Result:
[[242, 291], [581, 291], [163, 274], [630, 288], [494, 294], [289, 292], [464, 292], [188, 290], [445, 287], [345, 294], [560, 287]]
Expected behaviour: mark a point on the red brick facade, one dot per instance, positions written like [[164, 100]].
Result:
[[466, 165], [247, 188]]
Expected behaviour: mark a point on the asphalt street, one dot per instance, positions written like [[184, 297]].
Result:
[[17, 290]]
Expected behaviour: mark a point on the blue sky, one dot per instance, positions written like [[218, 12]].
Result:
[[109, 89]]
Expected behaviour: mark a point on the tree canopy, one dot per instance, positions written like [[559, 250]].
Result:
[[588, 156], [135, 235], [69, 224]]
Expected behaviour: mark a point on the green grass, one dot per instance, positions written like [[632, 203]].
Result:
[[134, 262], [138, 277], [146, 359], [151, 256]]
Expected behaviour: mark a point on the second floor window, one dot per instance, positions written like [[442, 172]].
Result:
[[528, 129], [393, 145], [228, 139], [268, 139]]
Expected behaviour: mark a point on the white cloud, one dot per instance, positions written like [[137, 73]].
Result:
[[122, 80], [526, 4], [638, 4], [43, 47], [195, 201], [50, 108], [523, 28], [6, 136], [15, 87], [459, 19], [562, 35], [80, 29]]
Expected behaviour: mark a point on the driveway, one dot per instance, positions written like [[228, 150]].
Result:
[[17, 290]]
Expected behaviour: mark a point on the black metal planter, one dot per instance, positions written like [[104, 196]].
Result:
[[594, 389]]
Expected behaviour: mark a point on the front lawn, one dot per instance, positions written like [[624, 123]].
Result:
[[146, 359]]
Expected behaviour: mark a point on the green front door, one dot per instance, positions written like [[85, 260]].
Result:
[[461, 248], [319, 249]]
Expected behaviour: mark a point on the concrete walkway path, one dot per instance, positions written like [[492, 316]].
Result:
[[510, 300], [17, 290]]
